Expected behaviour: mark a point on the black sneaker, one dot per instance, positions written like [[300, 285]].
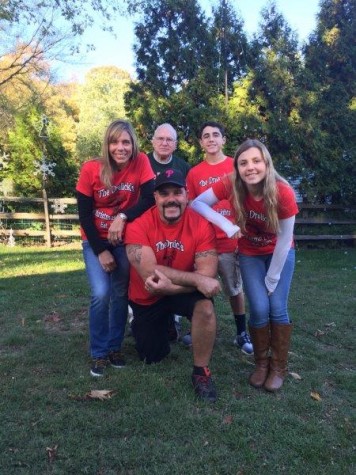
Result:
[[204, 387], [173, 334], [98, 367], [116, 359]]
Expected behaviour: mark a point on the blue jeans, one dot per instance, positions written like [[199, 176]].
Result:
[[109, 301], [264, 308]]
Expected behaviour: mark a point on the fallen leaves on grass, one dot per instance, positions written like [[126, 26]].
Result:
[[52, 453], [319, 333], [53, 317], [328, 328], [316, 396], [227, 419], [238, 395], [296, 376], [101, 394]]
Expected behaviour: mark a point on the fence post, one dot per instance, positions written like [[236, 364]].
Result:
[[48, 227]]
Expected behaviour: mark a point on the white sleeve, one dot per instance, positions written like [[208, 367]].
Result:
[[283, 244], [203, 205]]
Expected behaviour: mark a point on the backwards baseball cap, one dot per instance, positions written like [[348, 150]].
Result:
[[170, 177]]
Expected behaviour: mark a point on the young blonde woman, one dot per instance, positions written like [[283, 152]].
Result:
[[111, 191], [265, 207]]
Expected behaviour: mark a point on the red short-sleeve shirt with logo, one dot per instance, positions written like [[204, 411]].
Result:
[[174, 245], [258, 240], [122, 195], [202, 177]]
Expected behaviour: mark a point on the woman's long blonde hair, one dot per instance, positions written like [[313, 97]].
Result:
[[269, 189], [112, 133]]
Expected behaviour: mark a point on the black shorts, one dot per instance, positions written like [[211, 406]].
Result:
[[151, 322]]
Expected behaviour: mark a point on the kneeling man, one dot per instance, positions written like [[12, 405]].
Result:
[[173, 268]]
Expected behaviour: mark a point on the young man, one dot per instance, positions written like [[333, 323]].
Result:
[[164, 143], [173, 260], [200, 178]]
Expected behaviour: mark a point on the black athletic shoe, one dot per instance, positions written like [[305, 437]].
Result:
[[204, 387], [173, 334], [116, 359], [98, 367]]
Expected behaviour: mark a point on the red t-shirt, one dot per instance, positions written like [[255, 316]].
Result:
[[122, 195], [258, 240], [200, 178], [174, 245]]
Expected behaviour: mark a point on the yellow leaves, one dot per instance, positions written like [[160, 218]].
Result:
[[316, 396], [331, 36], [352, 105], [18, 69]]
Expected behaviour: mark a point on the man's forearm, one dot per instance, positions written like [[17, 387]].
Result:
[[181, 278], [177, 289]]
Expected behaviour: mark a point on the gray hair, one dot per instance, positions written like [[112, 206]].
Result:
[[166, 126]]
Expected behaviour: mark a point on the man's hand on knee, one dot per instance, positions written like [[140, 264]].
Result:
[[208, 286]]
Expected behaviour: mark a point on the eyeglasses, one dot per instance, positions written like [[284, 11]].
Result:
[[164, 139]]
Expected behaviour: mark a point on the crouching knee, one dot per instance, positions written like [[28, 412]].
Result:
[[204, 312]]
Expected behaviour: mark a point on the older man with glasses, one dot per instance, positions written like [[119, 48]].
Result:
[[164, 143]]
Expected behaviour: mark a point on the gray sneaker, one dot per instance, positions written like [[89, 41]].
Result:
[[187, 339], [243, 341]]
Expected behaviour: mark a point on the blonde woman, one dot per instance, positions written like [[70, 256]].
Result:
[[111, 191], [265, 208]]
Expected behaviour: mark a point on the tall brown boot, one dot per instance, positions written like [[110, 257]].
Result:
[[261, 341], [280, 339]]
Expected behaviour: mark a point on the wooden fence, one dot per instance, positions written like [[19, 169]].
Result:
[[40, 223], [49, 220], [325, 222]]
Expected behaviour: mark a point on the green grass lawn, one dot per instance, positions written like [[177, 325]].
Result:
[[153, 424]]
